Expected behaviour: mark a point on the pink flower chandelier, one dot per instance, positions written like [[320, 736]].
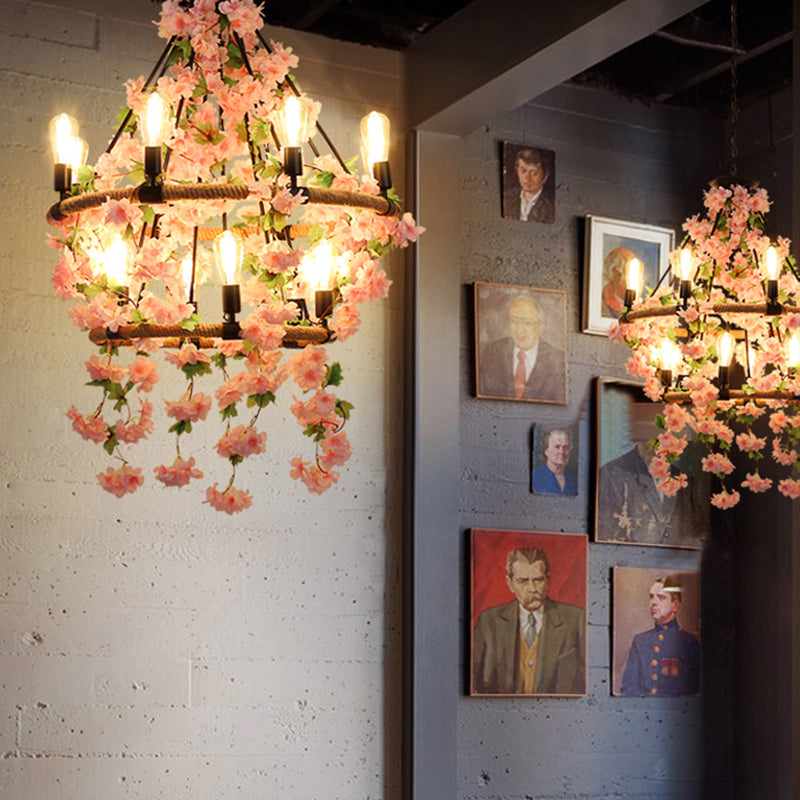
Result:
[[718, 344], [203, 171]]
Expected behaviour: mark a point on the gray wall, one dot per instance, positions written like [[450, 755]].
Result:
[[619, 159]]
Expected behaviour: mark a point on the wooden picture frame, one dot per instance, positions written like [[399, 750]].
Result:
[[528, 183], [513, 658], [609, 245], [510, 319], [629, 509], [651, 659]]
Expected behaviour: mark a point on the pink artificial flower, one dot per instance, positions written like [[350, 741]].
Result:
[[725, 499], [659, 468], [133, 432], [319, 408], [335, 449], [315, 479], [346, 321], [789, 487], [669, 444], [231, 501], [244, 15], [676, 417], [755, 483], [260, 333], [673, 484], [121, 481], [91, 428], [105, 370], [748, 442], [164, 312], [784, 457], [230, 392], [285, 202], [103, 311], [144, 373], [717, 463], [406, 231], [179, 473], [241, 441], [308, 367], [122, 212], [188, 354], [194, 408], [778, 420]]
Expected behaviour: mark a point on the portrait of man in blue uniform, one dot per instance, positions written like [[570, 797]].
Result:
[[664, 660]]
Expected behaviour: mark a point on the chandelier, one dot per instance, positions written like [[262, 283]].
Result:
[[204, 171], [717, 341]]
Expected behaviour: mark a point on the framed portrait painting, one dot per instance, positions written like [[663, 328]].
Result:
[[528, 621], [629, 508], [529, 181], [520, 343], [554, 459], [655, 633], [609, 245]]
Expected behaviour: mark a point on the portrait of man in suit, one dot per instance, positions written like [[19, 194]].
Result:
[[531, 643], [520, 343], [528, 183]]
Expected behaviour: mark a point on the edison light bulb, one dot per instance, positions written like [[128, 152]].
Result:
[[228, 250], [295, 122], [375, 129], [153, 120], [76, 154], [318, 266], [63, 129], [685, 264], [725, 348], [117, 261], [793, 352], [771, 263], [670, 354], [634, 277]]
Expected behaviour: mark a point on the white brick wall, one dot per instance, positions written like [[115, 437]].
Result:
[[151, 647]]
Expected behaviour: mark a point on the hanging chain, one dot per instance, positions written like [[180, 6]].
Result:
[[734, 85]]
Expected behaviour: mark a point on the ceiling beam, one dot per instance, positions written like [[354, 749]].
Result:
[[492, 57]]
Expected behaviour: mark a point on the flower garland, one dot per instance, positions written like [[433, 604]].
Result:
[[224, 94], [728, 247]]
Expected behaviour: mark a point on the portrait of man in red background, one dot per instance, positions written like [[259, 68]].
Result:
[[528, 617]]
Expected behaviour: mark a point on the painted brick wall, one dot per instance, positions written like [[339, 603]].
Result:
[[151, 647], [618, 159]]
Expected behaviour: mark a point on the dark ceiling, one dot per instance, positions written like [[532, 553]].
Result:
[[687, 63]]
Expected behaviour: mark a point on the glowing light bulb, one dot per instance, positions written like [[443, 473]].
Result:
[[228, 251], [685, 264], [793, 352], [375, 128], [634, 276], [318, 266], [186, 274], [153, 120], [76, 153], [295, 122], [771, 263], [725, 348], [670, 354], [63, 129], [116, 261]]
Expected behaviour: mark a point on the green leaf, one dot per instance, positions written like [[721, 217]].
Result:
[[324, 179], [350, 163], [250, 263], [110, 444], [333, 375], [343, 409], [184, 426], [148, 214], [236, 459], [219, 360], [191, 322], [229, 411], [660, 423], [315, 432], [260, 400], [193, 370]]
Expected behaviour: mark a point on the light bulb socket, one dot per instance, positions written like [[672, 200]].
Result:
[[150, 194], [771, 291], [300, 302], [231, 303], [724, 378], [152, 163], [685, 292], [630, 297], [62, 177], [293, 161], [382, 174], [323, 303], [666, 377]]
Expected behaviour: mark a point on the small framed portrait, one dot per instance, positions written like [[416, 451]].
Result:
[[655, 632], [609, 245], [529, 183], [629, 508], [528, 619], [520, 343], [554, 459]]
